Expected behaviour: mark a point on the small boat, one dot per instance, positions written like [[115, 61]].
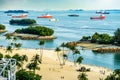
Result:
[[102, 12], [21, 16], [101, 17], [9, 14], [73, 15], [53, 20], [105, 12], [45, 16]]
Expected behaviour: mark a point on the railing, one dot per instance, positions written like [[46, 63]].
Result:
[[8, 69]]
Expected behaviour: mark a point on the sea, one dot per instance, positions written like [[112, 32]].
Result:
[[68, 29]]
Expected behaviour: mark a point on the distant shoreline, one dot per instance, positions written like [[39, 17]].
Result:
[[33, 37]]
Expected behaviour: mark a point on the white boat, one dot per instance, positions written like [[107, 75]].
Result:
[[53, 20]]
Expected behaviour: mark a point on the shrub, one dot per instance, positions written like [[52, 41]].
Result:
[[7, 56], [2, 27], [1, 56], [88, 69], [26, 75], [85, 38]]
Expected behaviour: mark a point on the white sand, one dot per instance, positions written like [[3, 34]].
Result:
[[51, 70]]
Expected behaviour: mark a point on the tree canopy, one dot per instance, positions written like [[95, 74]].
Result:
[[26, 75], [22, 21], [2, 27], [102, 38], [117, 35], [38, 30]]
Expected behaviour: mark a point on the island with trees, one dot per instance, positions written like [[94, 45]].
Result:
[[16, 11], [23, 22], [36, 32], [2, 28], [101, 42]]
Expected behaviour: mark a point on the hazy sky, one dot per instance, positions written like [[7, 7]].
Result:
[[59, 4]]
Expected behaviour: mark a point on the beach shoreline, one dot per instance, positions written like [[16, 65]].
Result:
[[50, 64], [33, 37], [3, 31]]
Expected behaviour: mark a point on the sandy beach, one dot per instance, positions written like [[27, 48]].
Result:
[[88, 45], [51, 70]]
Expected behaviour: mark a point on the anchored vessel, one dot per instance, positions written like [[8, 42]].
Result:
[[45, 16], [101, 17]]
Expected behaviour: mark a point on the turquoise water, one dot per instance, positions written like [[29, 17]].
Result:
[[72, 29]]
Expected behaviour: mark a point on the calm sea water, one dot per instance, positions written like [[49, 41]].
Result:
[[71, 29]]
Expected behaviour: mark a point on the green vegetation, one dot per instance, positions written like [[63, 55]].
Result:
[[1, 56], [35, 61], [117, 36], [12, 44], [85, 38], [23, 74], [103, 38], [58, 55], [2, 27], [22, 22], [82, 76], [65, 57], [41, 43], [72, 49], [20, 60], [7, 56], [27, 75], [38, 30], [114, 76]]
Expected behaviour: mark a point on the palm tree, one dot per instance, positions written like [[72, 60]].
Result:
[[41, 43], [24, 58], [8, 36], [18, 45], [35, 61], [79, 60], [63, 45], [75, 53], [82, 76], [71, 48], [18, 60], [58, 50], [15, 38], [9, 49], [65, 57], [33, 66]]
